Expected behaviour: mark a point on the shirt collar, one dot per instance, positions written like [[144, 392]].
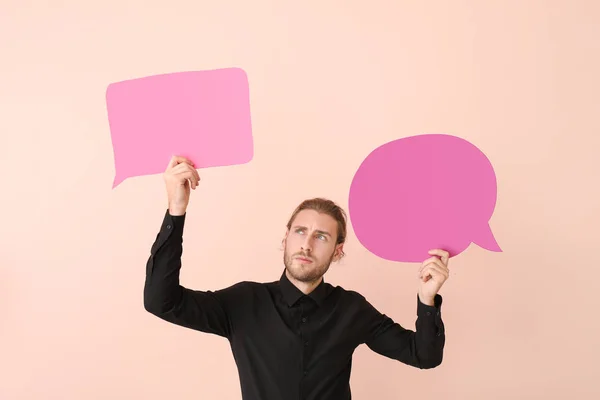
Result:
[[291, 294]]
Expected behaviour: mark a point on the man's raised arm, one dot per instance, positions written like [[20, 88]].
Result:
[[164, 296]]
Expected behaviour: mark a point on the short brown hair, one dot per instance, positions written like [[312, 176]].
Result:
[[324, 206]]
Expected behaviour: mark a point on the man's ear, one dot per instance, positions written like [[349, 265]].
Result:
[[285, 235], [339, 252]]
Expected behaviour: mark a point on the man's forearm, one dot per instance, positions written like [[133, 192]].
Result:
[[430, 336], [162, 290]]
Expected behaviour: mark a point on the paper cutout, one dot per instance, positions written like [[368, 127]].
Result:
[[201, 115], [423, 192]]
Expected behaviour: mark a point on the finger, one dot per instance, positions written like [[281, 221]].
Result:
[[439, 252], [186, 175], [442, 270], [443, 254], [196, 173], [180, 168], [441, 267], [437, 263], [196, 176], [428, 261], [185, 167], [429, 273], [189, 172], [434, 271], [172, 163], [178, 160]]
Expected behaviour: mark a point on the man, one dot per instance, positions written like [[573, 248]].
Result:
[[293, 338]]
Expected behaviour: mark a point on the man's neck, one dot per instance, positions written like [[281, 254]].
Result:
[[304, 287]]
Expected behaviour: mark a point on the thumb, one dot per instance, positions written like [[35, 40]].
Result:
[[178, 160], [172, 162]]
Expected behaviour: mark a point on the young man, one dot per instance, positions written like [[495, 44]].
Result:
[[292, 338]]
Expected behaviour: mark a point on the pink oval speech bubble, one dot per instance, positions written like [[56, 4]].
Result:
[[423, 192]]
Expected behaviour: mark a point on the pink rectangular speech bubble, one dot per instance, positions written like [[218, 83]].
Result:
[[201, 115]]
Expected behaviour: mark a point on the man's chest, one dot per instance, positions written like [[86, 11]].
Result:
[[325, 334]]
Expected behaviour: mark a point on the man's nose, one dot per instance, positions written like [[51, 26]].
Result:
[[307, 245]]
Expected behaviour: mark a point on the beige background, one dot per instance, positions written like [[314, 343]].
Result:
[[328, 79]]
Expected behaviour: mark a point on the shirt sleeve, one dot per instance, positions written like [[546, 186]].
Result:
[[422, 348], [166, 298]]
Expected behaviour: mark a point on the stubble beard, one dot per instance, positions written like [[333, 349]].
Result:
[[306, 273]]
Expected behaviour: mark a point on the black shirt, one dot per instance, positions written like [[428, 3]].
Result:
[[287, 345]]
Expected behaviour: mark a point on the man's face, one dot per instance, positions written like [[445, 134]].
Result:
[[310, 245]]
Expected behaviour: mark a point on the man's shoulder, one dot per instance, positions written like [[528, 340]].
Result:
[[247, 286], [347, 294]]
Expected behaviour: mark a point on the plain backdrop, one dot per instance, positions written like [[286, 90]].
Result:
[[329, 82]]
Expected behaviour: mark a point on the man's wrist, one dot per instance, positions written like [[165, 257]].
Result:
[[427, 300], [177, 211]]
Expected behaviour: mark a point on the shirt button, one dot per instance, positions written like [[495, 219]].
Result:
[[303, 319], [428, 313], [305, 373], [306, 343], [168, 226]]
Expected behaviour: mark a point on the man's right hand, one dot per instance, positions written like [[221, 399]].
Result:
[[179, 177]]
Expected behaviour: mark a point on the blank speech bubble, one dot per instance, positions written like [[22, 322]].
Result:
[[201, 115], [423, 192]]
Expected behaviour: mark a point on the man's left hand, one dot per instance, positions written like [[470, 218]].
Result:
[[432, 275]]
